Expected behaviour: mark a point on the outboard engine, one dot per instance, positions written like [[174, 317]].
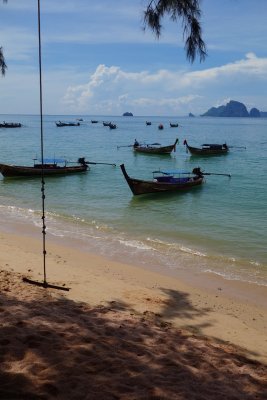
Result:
[[82, 161], [197, 171]]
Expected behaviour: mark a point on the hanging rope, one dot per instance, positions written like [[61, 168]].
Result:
[[42, 143], [44, 283]]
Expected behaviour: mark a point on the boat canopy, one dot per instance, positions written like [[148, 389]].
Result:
[[52, 160], [171, 172], [213, 146]]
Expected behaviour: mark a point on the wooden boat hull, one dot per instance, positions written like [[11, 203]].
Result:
[[139, 186], [23, 171], [10, 125], [206, 152], [61, 124], [156, 150]]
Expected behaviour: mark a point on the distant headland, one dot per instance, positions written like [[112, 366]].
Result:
[[127, 114], [234, 109]]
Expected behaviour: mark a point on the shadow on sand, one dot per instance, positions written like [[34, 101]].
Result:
[[55, 348]]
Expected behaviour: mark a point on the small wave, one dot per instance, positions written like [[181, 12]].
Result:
[[257, 264], [151, 251], [236, 277], [161, 244], [80, 223], [136, 244], [191, 251], [176, 247], [17, 213]]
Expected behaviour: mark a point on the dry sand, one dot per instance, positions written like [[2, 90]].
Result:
[[123, 332]]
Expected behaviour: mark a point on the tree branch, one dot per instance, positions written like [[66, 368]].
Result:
[[189, 12], [3, 65]]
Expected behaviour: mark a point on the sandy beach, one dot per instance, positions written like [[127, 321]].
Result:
[[122, 332]]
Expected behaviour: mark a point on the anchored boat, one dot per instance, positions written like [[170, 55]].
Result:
[[10, 125], [60, 124], [164, 181], [154, 148], [48, 168], [207, 149]]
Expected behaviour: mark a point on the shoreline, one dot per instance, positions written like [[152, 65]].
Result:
[[146, 253], [203, 304]]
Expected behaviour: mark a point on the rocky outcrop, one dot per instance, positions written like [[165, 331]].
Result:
[[231, 109], [254, 113], [214, 112]]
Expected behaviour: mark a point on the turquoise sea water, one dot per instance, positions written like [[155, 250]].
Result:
[[220, 227]]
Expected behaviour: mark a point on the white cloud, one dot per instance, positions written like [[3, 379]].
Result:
[[112, 90], [251, 66], [163, 91]]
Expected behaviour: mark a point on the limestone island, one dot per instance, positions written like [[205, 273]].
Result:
[[234, 109]]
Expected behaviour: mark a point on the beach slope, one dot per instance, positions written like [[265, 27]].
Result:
[[122, 332]]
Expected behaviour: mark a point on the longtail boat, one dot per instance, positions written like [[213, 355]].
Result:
[[10, 125], [173, 125], [164, 181], [60, 123], [154, 149], [110, 124], [207, 149], [48, 168]]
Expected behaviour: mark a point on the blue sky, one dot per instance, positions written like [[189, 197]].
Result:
[[97, 59]]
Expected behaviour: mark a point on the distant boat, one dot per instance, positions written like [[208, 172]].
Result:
[[164, 181], [173, 125], [10, 125], [110, 124], [148, 123], [60, 123], [154, 148], [50, 167], [94, 121], [207, 149], [161, 126]]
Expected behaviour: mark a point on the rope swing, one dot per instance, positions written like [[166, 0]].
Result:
[[44, 284]]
